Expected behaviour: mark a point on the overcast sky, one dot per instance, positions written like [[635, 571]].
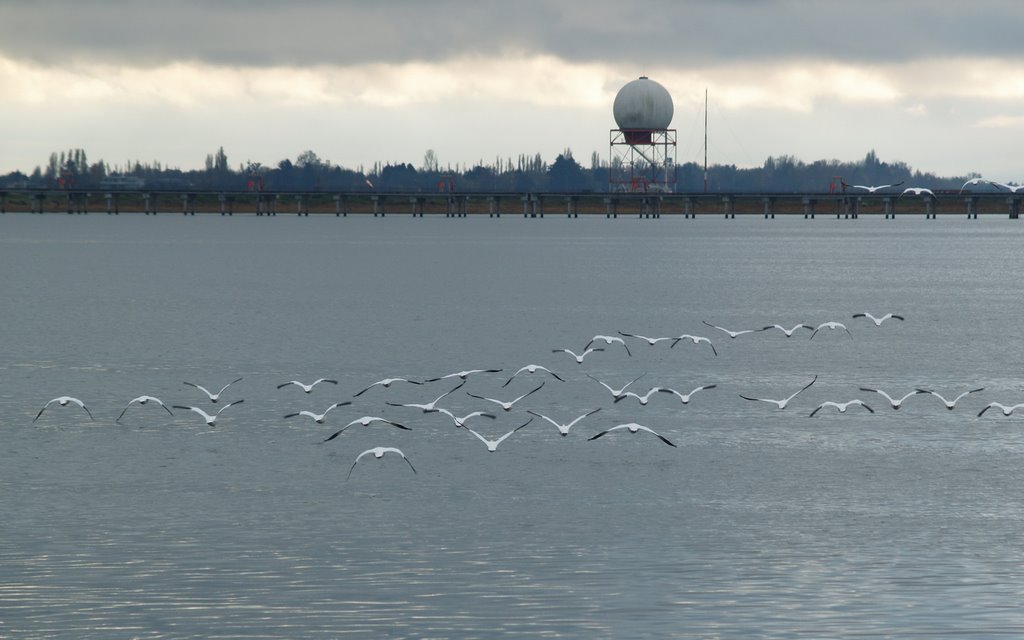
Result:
[[936, 84]]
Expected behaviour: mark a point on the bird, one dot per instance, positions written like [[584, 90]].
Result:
[[780, 403], [141, 400], [365, 421], [1005, 409], [974, 181], [608, 340], [464, 374], [685, 397], [429, 407], [579, 356], [492, 445], [563, 429], [319, 418], [731, 334], [650, 341], [533, 368], [461, 422], [386, 382], [633, 427], [64, 401], [842, 406], [507, 406], [831, 325], [210, 420], [694, 340], [872, 189], [878, 321], [1009, 187], [308, 388], [643, 399], [917, 191], [214, 397], [895, 402], [616, 392], [378, 453], [789, 332], [951, 404]]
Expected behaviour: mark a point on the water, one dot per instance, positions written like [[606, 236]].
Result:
[[760, 523]]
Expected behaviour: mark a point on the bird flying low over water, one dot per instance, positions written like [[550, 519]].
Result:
[[378, 453], [781, 403], [896, 403], [841, 406], [917, 191], [319, 417], [789, 332], [878, 321], [685, 397], [563, 429], [533, 368], [974, 181], [214, 397], [507, 406], [306, 387], [650, 341], [951, 404], [210, 420], [872, 189], [831, 325], [464, 374], [386, 382], [608, 340], [492, 445], [142, 400], [579, 356], [731, 334], [1009, 187], [616, 392], [694, 340], [64, 401], [1007, 410], [365, 421], [461, 421], [642, 399], [428, 407], [633, 427]]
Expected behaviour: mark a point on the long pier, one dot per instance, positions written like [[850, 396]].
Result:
[[846, 205]]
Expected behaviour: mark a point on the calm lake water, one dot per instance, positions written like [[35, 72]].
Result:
[[761, 523]]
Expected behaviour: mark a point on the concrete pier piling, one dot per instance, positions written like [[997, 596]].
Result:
[[340, 208]]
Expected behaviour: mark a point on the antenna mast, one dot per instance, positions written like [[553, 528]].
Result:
[[705, 140]]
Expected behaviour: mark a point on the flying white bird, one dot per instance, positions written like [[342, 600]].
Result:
[[789, 332], [464, 374], [917, 191], [507, 406], [563, 429], [378, 453], [974, 181], [319, 417], [616, 393], [831, 325], [731, 334], [633, 427], [694, 340], [643, 399], [1010, 188], [306, 387], [1005, 409], [650, 341], [142, 400], [579, 356], [872, 189], [386, 382], [492, 445], [365, 421], [896, 403], [608, 340], [533, 368], [214, 397], [64, 401], [842, 406], [461, 421], [951, 404], [878, 321], [210, 420], [430, 406], [685, 397], [780, 403]]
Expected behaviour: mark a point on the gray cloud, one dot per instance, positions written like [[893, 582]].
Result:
[[649, 32]]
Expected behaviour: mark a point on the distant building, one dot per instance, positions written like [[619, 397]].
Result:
[[122, 183]]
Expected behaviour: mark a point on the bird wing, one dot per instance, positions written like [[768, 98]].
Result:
[[231, 383], [817, 409], [661, 437], [480, 437], [285, 384], [230, 404], [573, 423], [537, 388]]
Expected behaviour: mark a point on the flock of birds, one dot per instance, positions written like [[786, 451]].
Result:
[[921, 191], [211, 412]]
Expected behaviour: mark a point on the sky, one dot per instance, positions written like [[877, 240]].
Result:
[[936, 84]]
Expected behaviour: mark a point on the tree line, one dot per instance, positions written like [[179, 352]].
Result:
[[308, 172]]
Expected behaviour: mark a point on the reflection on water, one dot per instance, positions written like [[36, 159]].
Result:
[[763, 522]]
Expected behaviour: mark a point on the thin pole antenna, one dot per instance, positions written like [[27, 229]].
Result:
[[705, 140]]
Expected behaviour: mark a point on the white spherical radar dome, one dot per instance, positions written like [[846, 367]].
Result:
[[643, 104]]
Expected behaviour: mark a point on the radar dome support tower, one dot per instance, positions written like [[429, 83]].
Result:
[[642, 150]]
